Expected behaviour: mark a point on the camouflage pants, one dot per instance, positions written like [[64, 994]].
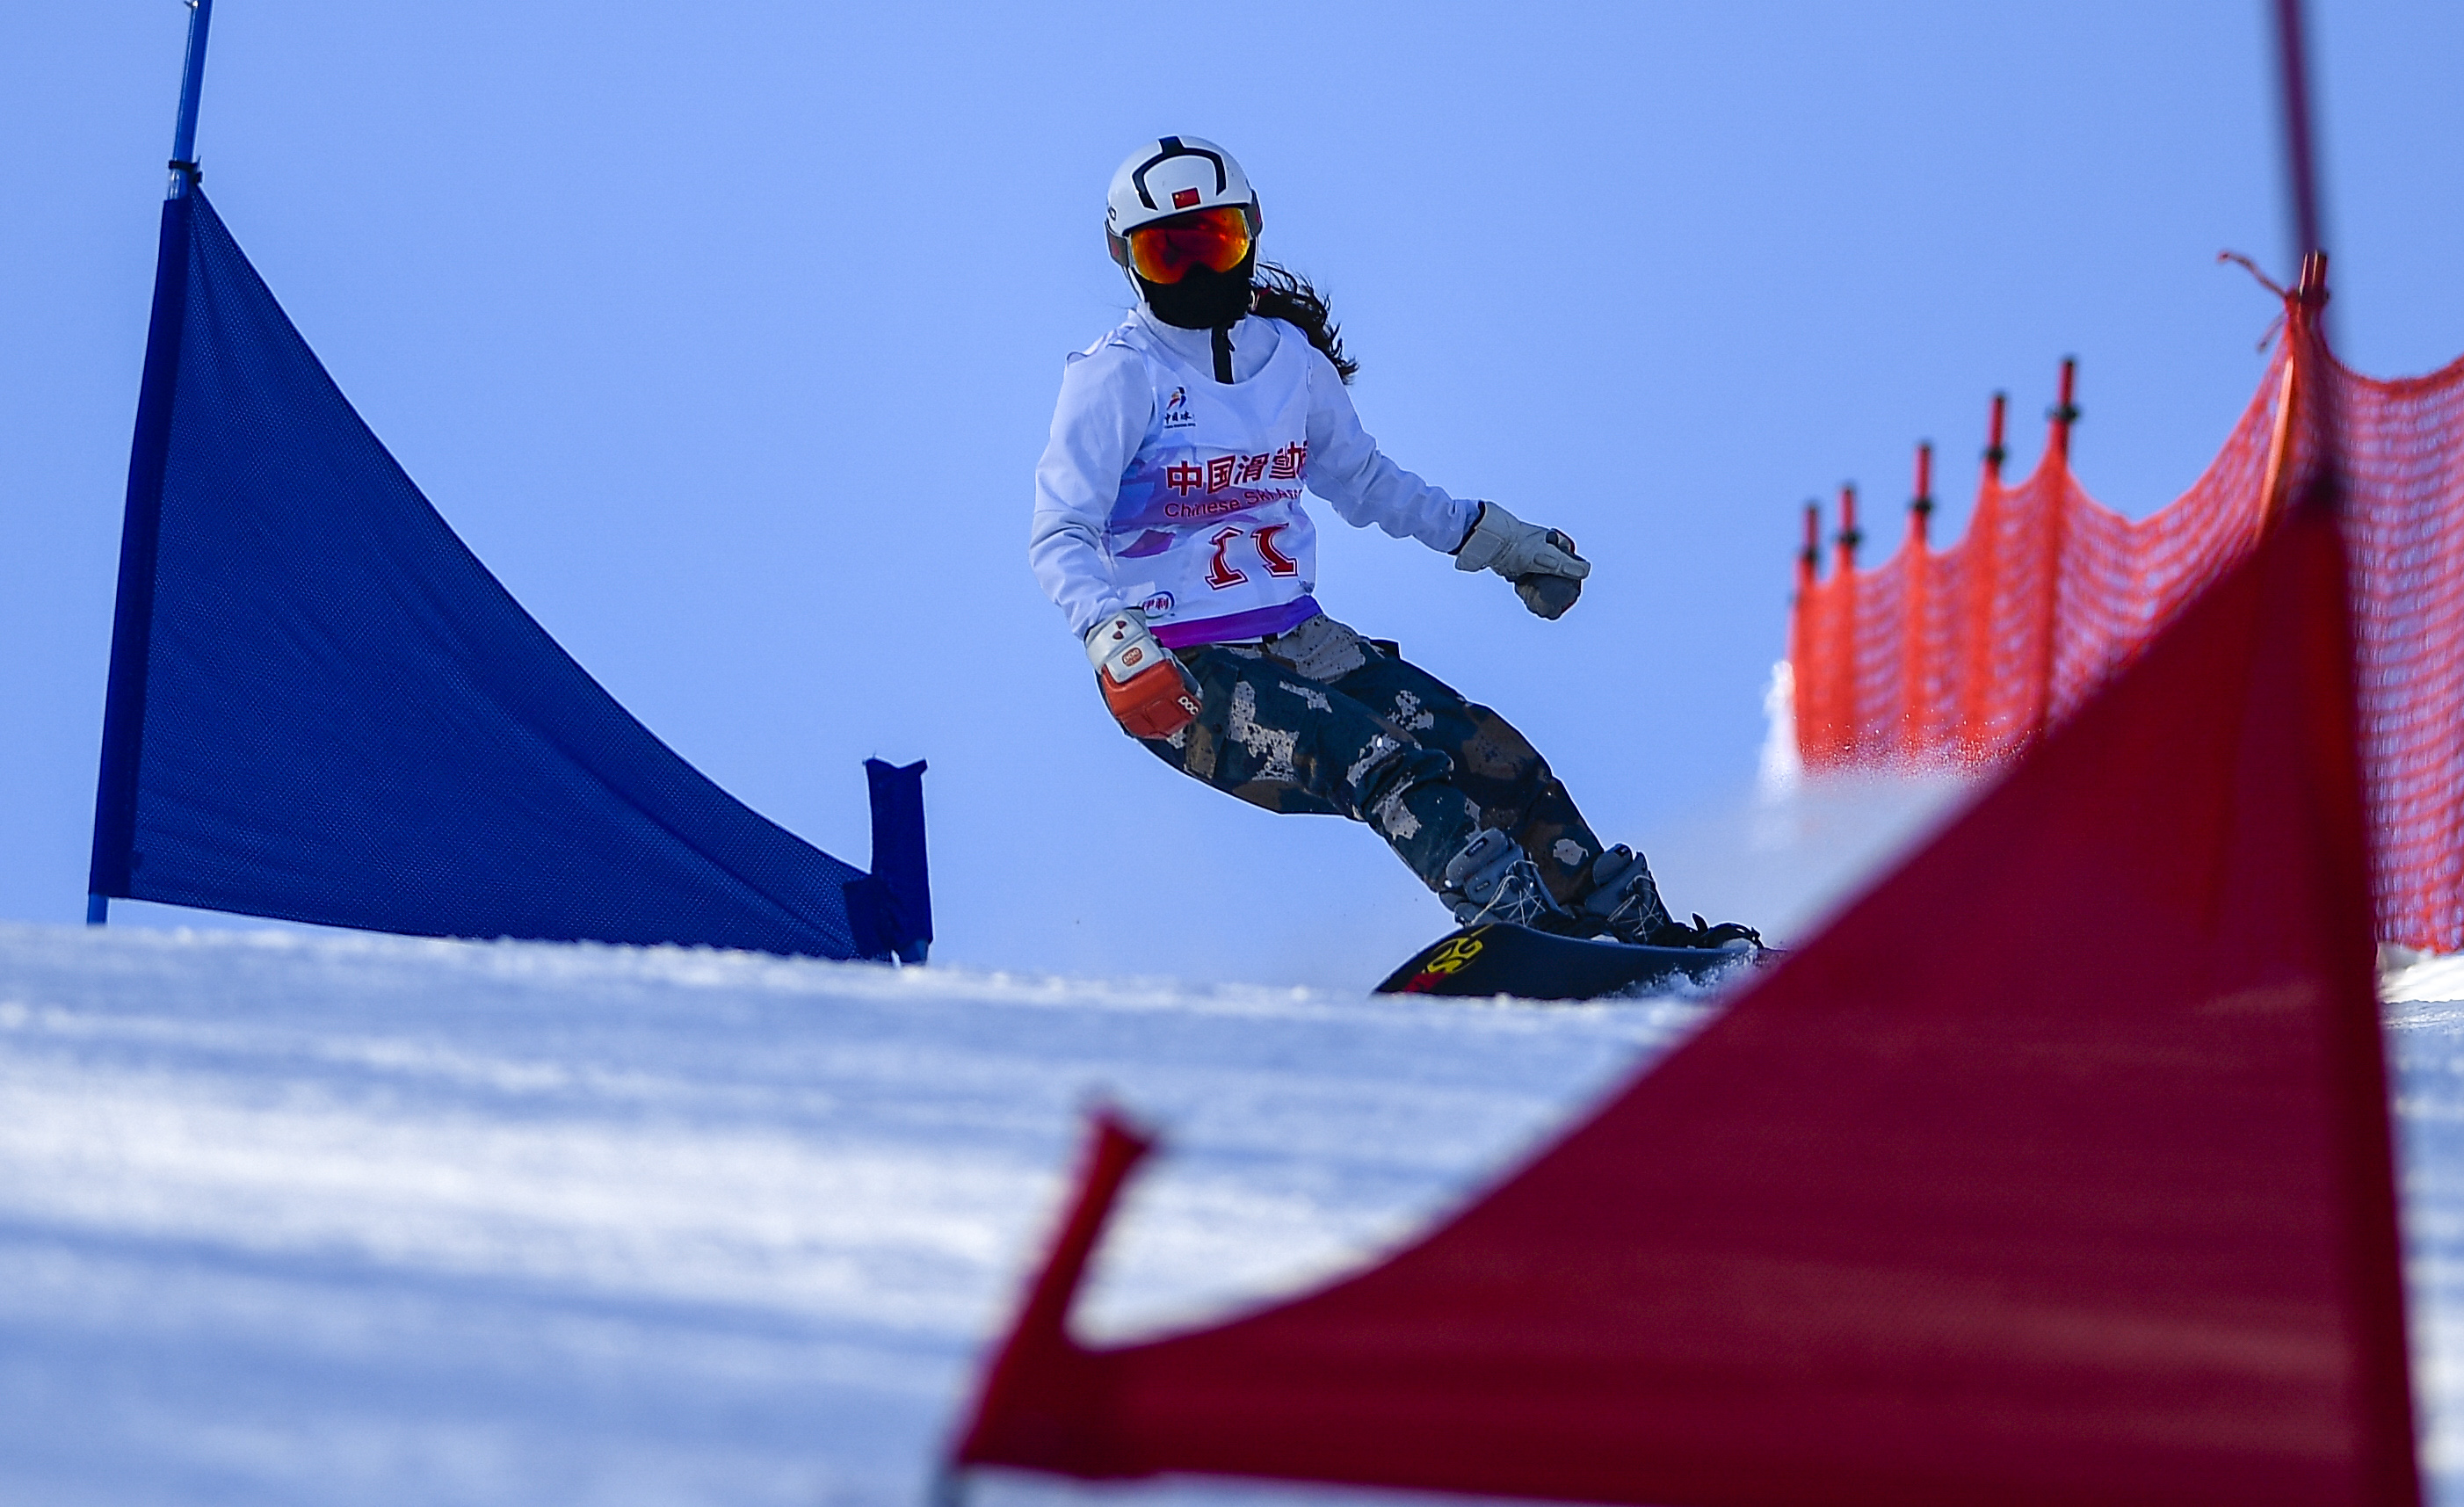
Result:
[[1322, 721]]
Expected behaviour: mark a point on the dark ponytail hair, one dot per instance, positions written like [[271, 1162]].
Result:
[[1285, 294]]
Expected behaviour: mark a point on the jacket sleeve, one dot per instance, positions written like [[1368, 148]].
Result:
[[1106, 405], [1347, 469]]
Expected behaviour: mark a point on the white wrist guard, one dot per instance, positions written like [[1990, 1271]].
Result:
[[1121, 646]]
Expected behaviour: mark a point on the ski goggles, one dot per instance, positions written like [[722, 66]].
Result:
[[1164, 251]]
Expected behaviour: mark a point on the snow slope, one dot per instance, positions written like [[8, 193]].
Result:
[[313, 1220], [293, 1218]]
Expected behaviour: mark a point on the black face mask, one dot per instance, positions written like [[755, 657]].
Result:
[[1204, 298]]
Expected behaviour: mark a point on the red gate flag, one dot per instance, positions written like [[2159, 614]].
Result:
[[2056, 1170]]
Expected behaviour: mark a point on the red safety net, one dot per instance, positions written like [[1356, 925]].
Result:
[[1963, 656], [2054, 1212]]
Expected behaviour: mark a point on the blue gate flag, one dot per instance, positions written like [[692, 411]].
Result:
[[324, 709], [891, 910]]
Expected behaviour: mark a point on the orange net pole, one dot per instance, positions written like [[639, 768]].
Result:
[[1970, 586], [1917, 688], [2054, 478], [1964, 655], [1806, 640], [1846, 592]]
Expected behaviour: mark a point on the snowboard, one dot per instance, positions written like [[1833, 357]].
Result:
[[1503, 959]]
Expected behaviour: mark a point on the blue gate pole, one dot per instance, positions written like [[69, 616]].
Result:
[[123, 710], [192, 83]]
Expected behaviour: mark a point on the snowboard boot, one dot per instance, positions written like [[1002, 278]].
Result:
[[1492, 880], [1625, 902]]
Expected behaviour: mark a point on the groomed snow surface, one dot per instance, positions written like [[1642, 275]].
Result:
[[373, 1220], [320, 1219]]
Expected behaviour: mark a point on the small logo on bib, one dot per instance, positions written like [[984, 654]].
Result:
[[1175, 411]]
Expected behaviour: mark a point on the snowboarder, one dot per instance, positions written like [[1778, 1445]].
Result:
[[1169, 530]]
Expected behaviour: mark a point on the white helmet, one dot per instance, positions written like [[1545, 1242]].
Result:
[[1173, 175]]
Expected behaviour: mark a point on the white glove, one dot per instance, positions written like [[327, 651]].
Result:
[[1541, 563]]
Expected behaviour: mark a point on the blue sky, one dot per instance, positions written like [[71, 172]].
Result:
[[727, 334]]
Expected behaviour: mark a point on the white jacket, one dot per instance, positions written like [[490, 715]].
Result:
[[1144, 497]]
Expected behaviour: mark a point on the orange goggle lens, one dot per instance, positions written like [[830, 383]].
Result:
[[1164, 251]]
